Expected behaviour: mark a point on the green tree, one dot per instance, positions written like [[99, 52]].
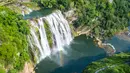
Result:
[[13, 39]]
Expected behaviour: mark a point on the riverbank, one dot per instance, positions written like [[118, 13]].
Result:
[[108, 47], [124, 35], [19, 7]]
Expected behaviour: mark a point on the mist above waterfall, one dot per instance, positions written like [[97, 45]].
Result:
[[60, 35]]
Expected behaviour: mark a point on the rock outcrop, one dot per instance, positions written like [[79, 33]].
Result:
[[28, 68]]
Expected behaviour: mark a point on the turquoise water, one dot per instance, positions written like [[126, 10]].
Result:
[[38, 13], [80, 53]]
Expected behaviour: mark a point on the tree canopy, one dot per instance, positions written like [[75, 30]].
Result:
[[108, 17], [13, 39]]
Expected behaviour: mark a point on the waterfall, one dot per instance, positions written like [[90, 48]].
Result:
[[60, 35], [60, 29]]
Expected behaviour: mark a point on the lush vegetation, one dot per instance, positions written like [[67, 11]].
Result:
[[120, 63], [13, 40], [49, 34], [7, 2], [58, 4], [103, 17], [31, 5]]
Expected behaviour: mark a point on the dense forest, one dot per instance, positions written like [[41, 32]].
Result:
[[119, 63], [105, 18], [13, 41]]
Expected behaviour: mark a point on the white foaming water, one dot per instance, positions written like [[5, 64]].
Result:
[[61, 35], [114, 50], [26, 10], [60, 29]]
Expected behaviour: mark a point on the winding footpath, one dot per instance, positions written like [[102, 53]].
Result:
[[101, 69]]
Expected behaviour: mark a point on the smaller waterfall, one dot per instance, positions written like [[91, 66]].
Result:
[[60, 35], [23, 13], [25, 10]]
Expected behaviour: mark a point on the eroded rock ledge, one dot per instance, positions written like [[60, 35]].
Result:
[[108, 47], [28, 68]]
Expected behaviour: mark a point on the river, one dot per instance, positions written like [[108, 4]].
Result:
[[80, 53]]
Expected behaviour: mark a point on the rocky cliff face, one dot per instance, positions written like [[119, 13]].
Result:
[[24, 0], [28, 68]]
